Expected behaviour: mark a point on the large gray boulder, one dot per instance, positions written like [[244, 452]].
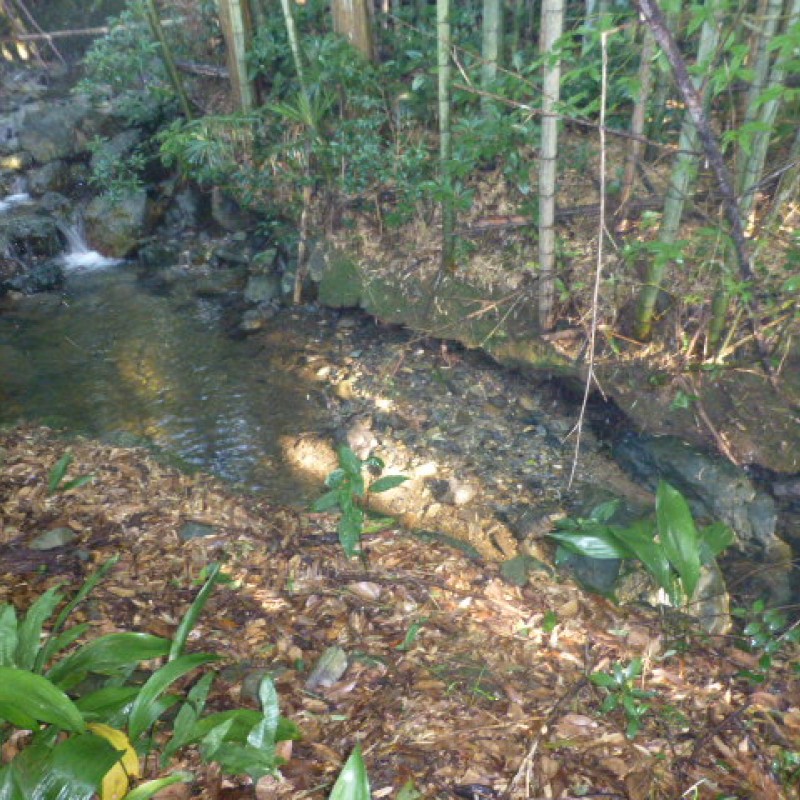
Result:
[[116, 224], [714, 488], [52, 132]]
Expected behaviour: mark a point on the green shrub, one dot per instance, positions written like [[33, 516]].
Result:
[[669, 546], [90, 720]]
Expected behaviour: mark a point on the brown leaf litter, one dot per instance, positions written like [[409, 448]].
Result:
[[456, 681]]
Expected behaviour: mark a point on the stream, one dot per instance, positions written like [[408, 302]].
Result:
[[117, 359]]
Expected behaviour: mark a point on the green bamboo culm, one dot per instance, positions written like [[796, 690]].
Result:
[[684, 173], [166, 56], [445, 142]]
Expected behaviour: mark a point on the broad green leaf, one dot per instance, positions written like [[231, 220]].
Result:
[[349, 528], [678, 535], [184, 727], [213, 740], [78, 765], [602, 679], [242, 722], [605, 511], [352, 783], [108, 655], [30, 629], [36, 697], [325, 503], [349, 462], [335, 479], [597, 542], [195, 609], [242, 759], [106, 704], [146, 710], [58, 472], [147, 790], [386, 483], [9, 636], [639, 538], [263, 734], [714, 539]]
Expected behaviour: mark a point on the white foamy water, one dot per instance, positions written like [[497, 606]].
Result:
[[16, 199], [80, 256]]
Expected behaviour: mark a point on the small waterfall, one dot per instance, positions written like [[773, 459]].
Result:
[[14, 199], [79, 255]]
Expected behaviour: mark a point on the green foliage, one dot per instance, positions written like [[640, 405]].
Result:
[[766, 633], [56, 480], [124, 66], [106, 717], [348, 492], [621, 692], [669, 547], [116, 173], [353, 782]]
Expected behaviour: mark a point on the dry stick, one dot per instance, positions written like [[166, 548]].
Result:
[[598, 273], [34, 24], [654, 17]]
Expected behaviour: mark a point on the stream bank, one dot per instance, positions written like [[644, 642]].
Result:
[[487, 451]]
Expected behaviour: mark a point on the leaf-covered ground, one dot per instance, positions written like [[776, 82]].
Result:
[[458, 681]]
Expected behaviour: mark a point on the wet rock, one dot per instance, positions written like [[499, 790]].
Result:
[[116, 224], [44, 277], [116, 148], [51, 133], [52, 177], [262, 289], [50, 540], [227, 213], [26, 235], [340, 284], [196, 530], [331, 666], [714, 488]]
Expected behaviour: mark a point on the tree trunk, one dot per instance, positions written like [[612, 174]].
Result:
[[765, 113], [638, 118], [684, 172], [353, 20], [166, 57], [445, 145], [492, 48], [655, 19], [552, 26], [237, 29]]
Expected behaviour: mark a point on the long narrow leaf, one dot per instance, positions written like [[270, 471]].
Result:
[[108, 656], [37, 697], [678, 535], [30, 629], [147, 790], [187, 717], [263, 734], [714, 539], [386, 483], [195, 609], [9, 636], [597, 541], [352, 783], [639, 537], [58, 472], [145, 710]]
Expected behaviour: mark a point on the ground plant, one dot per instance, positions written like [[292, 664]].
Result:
[[349, 490], [669, 545], [77, 720]]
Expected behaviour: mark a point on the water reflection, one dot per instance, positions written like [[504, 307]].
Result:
[[111, 357]]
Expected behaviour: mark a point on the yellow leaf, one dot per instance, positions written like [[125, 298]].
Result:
[[115, 783]]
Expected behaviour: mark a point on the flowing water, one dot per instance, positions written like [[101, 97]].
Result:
[[115, 359]]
